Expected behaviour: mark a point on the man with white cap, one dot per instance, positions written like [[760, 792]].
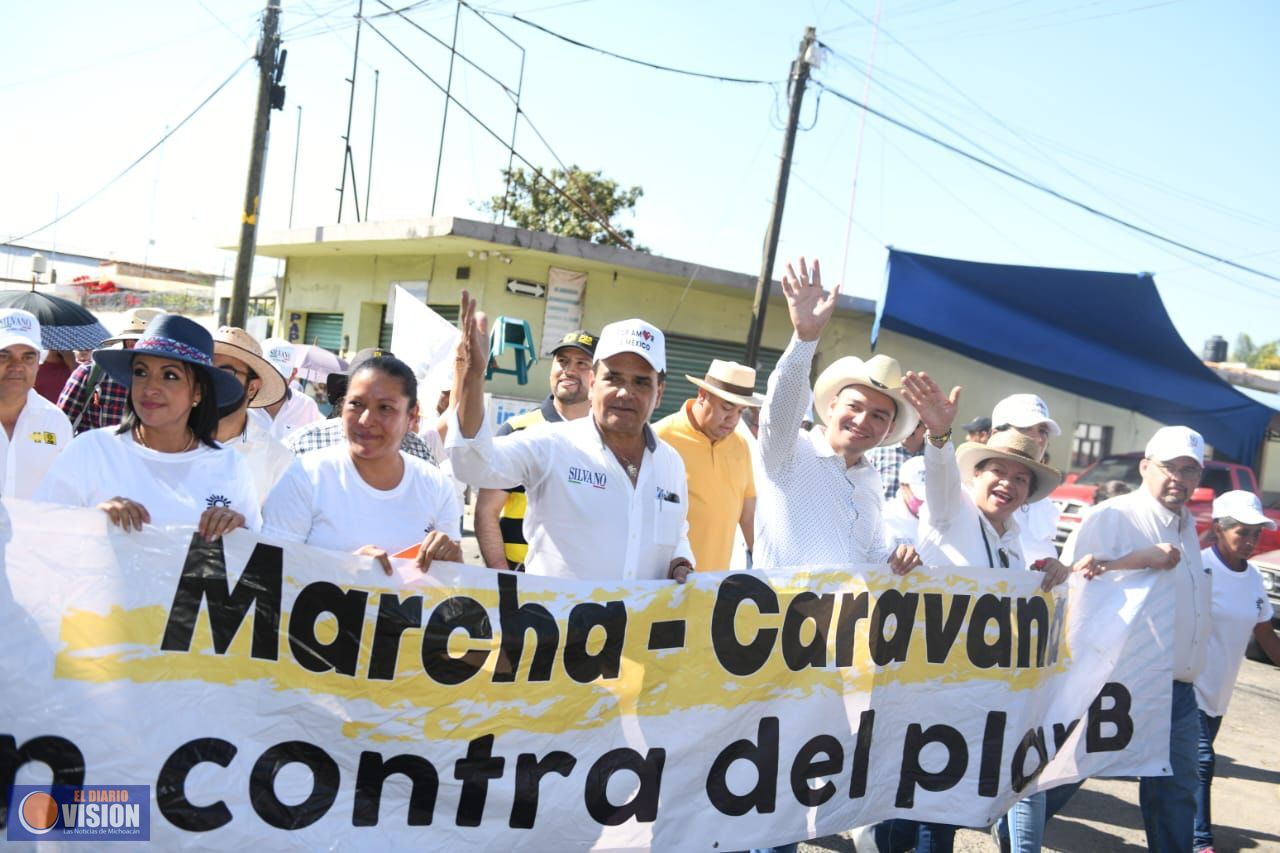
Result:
[[819, 500], [295, 409], [91, 399], [236, 352], [717, 461], [1150, 528], [606, 498], [1029, 415], [35, 430], [1241, 609]]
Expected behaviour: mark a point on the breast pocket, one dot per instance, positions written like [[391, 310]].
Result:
[[668, 519]]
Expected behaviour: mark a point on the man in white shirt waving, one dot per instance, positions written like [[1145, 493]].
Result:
[[820, 501], [606, 498], [35, 431]]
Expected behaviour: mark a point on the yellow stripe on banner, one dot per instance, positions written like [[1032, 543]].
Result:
[[124, 645]]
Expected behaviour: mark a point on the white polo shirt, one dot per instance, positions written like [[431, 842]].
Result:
[[1039, 523], [42, 432], [1239, 603], [1136, 520], [953, 531], [584, 519]]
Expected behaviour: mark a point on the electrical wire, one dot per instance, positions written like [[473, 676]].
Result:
[[683, 71], [1088, 208], [602, 222], [143, 156]]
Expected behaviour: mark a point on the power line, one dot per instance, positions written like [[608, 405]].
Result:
[[143, 156], [684, 71], [1045, 189], [604, 223]]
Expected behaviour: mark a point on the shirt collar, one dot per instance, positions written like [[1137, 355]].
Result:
[[550, 413], [1163, 515], [650, 440], [822, 447]]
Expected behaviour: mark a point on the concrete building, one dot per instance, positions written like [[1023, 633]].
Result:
[[337, 281]]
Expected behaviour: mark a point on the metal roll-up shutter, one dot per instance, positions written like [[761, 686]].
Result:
[[323, 330], [448, 312], [692, 356]]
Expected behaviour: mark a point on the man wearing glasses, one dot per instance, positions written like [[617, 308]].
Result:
[[1151, 528], [236, 352]]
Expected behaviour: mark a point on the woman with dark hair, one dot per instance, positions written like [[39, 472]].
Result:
[[365, 495], [163, 464]]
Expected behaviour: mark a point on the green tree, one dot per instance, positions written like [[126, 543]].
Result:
[[531, 203], [1267, 357], [1244, 349]]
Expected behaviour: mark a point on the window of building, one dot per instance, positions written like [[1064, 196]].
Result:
[[1090, 443]]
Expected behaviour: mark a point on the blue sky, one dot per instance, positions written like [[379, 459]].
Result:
[[1159, 112]]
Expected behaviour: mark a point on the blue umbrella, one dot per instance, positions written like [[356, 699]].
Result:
[[64, 325]]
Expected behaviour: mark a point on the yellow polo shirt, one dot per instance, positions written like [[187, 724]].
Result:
[[720, 480]]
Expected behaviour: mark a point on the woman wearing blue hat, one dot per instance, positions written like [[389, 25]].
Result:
[[163, 464]]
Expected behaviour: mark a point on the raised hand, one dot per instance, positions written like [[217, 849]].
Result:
[[471, 356], [810, 307], [937, 409]]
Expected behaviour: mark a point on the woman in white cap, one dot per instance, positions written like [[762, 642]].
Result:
[[1241, 610], [163, 464], [1029, 415], [366, 495]]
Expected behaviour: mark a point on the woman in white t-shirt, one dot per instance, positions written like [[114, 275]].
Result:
[[365, 495], [1241, 610], [163, 464]]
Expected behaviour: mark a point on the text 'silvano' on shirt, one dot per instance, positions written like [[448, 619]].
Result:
[[1239, 603], [322, 500], [584, 519], [176, 488]]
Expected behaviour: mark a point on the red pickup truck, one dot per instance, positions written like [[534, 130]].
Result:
[[1074, 495]]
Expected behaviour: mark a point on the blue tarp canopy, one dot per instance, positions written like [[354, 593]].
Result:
[[1101, 335]]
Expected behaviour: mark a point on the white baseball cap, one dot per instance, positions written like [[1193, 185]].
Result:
[[912, 474], [1172, 442], [637, 336], [18, 327], [1244, 507], [1023, 411], [281, 354]]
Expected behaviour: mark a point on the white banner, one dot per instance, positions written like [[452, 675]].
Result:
[[277, 698]]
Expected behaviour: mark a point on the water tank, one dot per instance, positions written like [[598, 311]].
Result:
[[1215, 349]]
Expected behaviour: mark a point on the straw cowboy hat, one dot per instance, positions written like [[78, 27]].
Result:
[[135, 323], [879, 373], [730, 381], [237, 343], [1015, 447]]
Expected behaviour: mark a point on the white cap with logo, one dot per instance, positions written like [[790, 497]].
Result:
[[1172, 442], [20, 327], [1023, 411], [1244, 507], [281, 354], [637, 336]]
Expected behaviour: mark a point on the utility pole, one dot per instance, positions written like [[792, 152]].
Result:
[[799, 76], [270, 96]]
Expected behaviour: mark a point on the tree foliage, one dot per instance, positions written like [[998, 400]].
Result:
[[531, 203], [1264, 357]]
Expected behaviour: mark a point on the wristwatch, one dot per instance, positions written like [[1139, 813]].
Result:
[[938, 440]]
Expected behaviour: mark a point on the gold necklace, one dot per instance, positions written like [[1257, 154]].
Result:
[[632, 468], [191, 440]]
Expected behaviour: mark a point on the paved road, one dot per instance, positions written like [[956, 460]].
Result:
[[1104, 817]]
